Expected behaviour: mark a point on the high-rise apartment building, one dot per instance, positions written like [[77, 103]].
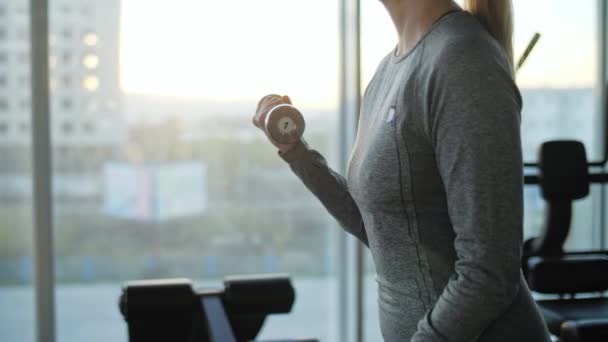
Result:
[[88, 125], [86, 100]]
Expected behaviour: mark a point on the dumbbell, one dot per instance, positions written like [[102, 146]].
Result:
[[284, 123]]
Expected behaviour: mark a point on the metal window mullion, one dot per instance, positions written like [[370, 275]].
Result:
[[603, 83], [42, 172], [350, 277], [358, 290], [342, 271], [603, 76]]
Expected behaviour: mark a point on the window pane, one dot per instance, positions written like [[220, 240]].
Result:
[[582, 233], [17, 318], [158, 169], [559, 88], [559, 81]]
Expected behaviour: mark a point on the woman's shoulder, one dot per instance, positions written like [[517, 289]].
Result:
[[463, 42], [461, 59]]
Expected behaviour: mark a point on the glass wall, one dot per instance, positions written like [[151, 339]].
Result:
[[560, 88], [158, 171], [560, 85], [17, 315]]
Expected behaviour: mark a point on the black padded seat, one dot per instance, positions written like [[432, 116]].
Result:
[[557, 311], [569, 273]]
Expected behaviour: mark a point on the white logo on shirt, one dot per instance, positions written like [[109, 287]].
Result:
[[390, 115]]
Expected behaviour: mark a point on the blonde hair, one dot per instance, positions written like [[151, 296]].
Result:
[[497, 17]]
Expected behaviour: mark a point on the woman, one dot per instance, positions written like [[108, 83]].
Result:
[[434, 183]]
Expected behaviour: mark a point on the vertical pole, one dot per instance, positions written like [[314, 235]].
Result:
[[602, 139], [341, 270], [42, 171], [358, 290], [350, 278]]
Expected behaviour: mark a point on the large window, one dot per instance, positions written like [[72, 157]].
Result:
[[157, 169], [560, 86], [561, 79]]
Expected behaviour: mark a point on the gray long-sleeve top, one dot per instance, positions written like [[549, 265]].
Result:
[[434, 189]]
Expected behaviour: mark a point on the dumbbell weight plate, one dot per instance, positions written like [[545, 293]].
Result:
[[284, 124]]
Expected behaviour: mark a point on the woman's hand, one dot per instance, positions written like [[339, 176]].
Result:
[[264, 106]]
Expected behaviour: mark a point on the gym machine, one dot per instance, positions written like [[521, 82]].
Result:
[[171, 310], [580, 313]]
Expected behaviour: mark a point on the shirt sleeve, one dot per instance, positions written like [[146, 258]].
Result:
[[475, 110], [328, 186]]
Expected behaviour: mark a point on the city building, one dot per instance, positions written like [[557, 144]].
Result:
[[87, 108]]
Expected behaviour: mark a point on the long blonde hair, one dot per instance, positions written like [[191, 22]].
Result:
[[497, 17]]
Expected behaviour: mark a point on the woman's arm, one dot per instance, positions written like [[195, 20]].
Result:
[[328, 186], [475, 129]]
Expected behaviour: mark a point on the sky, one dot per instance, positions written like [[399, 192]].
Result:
[[240, 50], [227, 50]]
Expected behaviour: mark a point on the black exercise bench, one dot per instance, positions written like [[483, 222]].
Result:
[[564, 177], [170, 310]]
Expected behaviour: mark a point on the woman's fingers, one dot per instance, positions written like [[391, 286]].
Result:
[[264, 99], [267, 103], [265, 107]]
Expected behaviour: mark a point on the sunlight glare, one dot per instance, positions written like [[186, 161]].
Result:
[[231, 50]]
